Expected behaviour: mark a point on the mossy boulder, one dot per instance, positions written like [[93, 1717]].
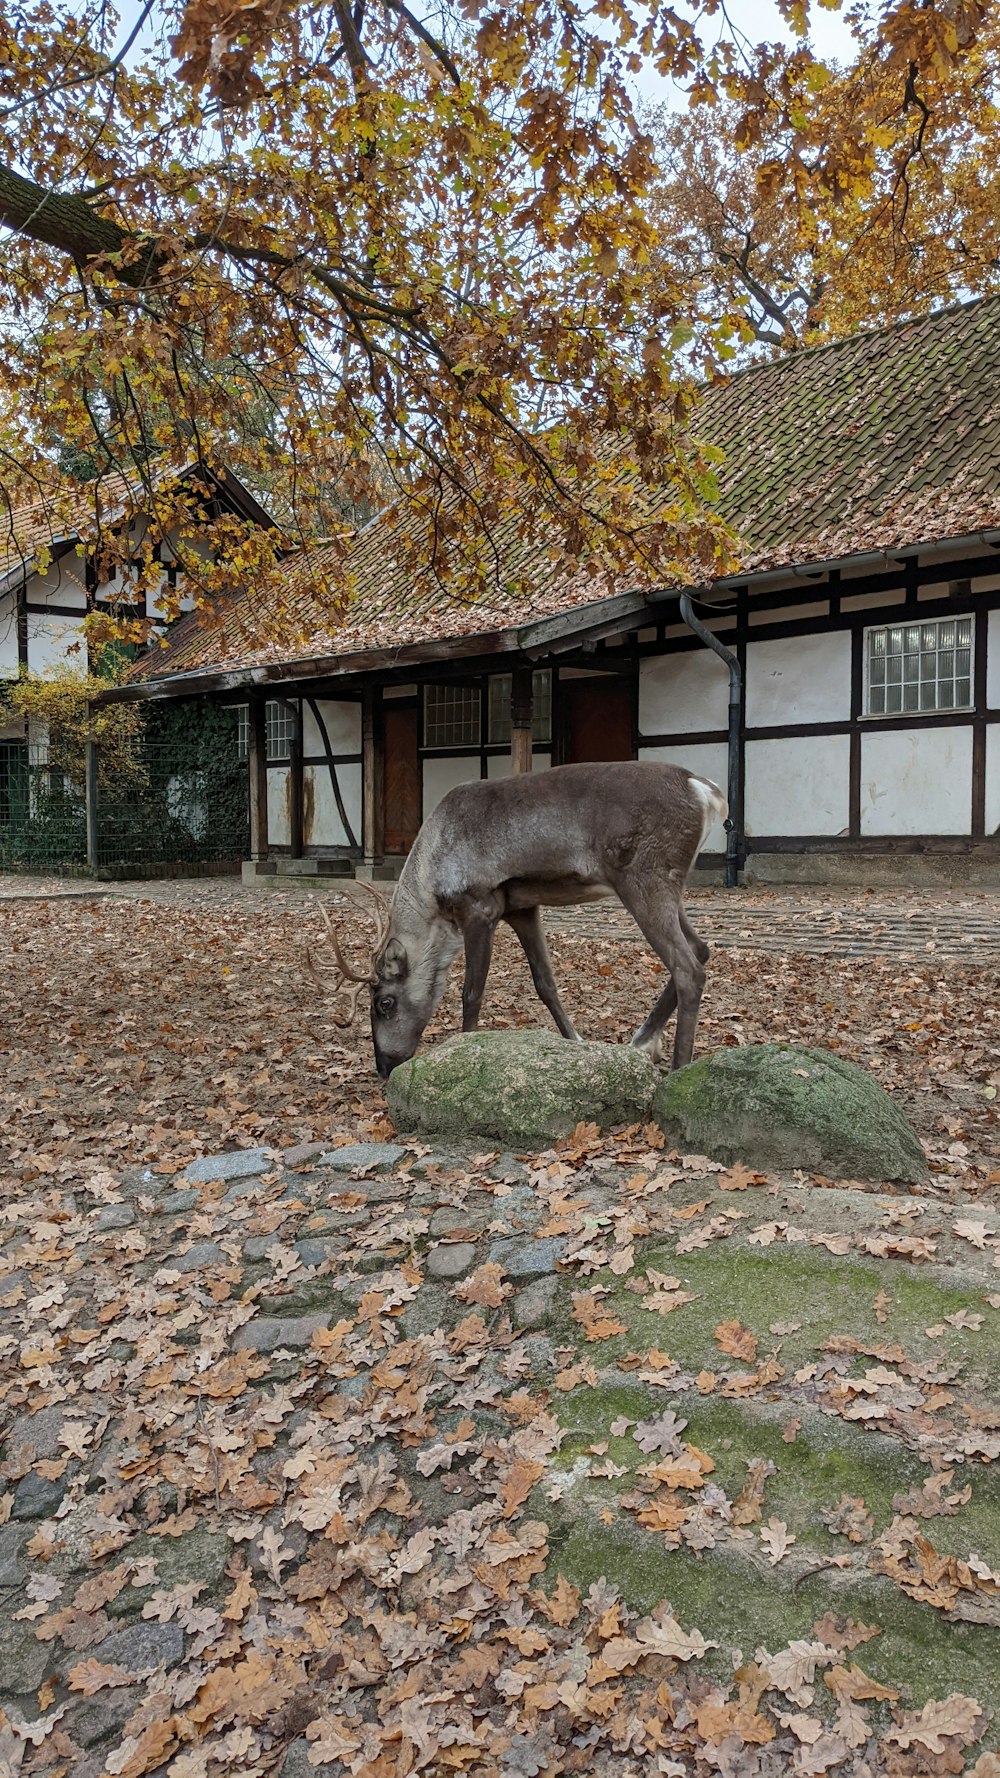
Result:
[[774, 1105], [519, 1086]]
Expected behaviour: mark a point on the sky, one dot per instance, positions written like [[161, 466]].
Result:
[[758, 20]]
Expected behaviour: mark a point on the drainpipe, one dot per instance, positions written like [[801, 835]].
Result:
[[733, 786]]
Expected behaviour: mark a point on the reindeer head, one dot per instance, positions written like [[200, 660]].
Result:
[[401, 1000]]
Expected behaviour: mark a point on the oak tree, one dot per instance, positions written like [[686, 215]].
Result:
[[420, 244]]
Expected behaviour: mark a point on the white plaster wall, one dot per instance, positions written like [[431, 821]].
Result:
[[63, 583], [441, 775], [327, 828], [278, 829], [798, 787], [8, 637], [343, 725], [791, 614], [682, 692], [52, 643], [800, 679], [871, 601], [709, 760], [498, 764], [993, 660], [916, 781], [993, 778]]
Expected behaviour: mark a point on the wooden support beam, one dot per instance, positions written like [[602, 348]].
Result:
[[296, 785], [91, 768], [258, 778], [520, 720], [372, 776]]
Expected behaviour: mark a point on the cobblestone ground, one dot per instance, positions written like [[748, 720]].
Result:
[[808, 922]]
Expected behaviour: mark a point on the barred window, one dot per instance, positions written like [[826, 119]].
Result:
[[918, 667], [451, 716], [541, 706], [279, 726]]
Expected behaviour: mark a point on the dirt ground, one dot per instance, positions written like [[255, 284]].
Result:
[[150, 1022]]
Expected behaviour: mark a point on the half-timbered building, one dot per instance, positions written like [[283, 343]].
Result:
[[845, 682]]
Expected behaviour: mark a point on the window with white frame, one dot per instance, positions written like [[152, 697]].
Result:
[[501, 685], [279, 726], [451, 716], [918, 667]]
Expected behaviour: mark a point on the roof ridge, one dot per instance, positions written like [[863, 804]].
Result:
[[799, 355]]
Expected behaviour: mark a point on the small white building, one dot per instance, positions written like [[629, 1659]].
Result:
[[863, 479], [56, 567]]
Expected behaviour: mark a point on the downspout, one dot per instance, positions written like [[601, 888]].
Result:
[[733, 786]]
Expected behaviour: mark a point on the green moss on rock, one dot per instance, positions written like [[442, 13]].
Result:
[[774, 1105], [519, 1086]]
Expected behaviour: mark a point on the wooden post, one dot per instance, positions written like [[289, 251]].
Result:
[[520, 720], [296, 788], [258, 778], [372, 778], [91, 767]]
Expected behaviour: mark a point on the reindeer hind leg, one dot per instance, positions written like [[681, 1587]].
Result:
[[666, 929]]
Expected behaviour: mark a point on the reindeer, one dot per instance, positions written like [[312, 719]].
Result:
[[504, 848]]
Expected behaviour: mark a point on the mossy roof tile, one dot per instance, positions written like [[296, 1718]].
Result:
[[876, 442]]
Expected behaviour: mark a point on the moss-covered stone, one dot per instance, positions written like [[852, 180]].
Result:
[[519, 1086], [775, 1105]]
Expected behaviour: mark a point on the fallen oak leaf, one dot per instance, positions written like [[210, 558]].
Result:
[[92, 1676], [854, 1683], [955, 1717], [738, 1177], [777, 1540], [749, 1503], [660, 1433], [737, 1341], [485, 1287]]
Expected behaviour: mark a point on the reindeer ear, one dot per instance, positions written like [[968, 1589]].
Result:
[[393, 964]]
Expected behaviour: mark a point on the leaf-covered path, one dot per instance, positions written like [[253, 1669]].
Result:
[[372, 1460]]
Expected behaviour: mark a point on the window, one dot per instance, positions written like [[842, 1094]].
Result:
[[918, 667], [541, 707], [451, 716], [279, 725]]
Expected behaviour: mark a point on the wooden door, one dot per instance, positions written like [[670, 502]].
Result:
[[596, 719], [402, 777]]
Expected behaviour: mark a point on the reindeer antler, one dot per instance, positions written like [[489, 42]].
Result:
[[355, 979]]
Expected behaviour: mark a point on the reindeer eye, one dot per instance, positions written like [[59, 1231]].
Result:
[[385, 1006]]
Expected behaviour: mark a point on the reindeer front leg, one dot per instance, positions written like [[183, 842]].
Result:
[[478, 936], [527, 923]]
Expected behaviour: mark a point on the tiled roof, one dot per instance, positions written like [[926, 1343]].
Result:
[[882, 440], [62, 515], [72, 511]]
